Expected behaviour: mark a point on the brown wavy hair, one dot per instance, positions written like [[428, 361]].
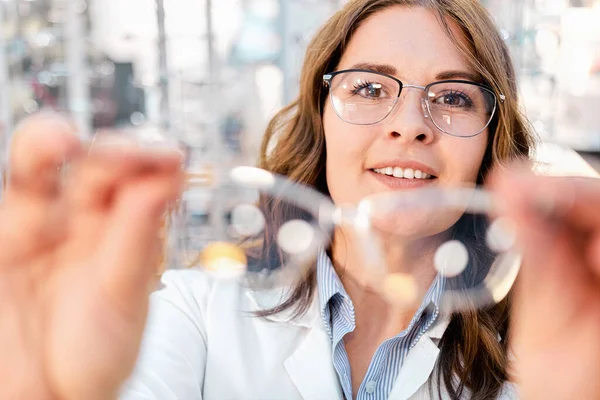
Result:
[[473, 350]]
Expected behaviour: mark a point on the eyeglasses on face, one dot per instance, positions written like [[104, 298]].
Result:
[[456, 107]]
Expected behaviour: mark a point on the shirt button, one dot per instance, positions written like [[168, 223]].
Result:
[[371, 386]]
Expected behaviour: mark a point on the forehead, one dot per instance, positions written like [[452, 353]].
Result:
[[409, 38]]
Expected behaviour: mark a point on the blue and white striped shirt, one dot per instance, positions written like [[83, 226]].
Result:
[[337, 312]]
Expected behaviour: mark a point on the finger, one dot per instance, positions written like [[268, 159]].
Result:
[[573, 200], [93, 186], [30, 228], [130, 244], [552, 217], [594, 254], [554, 274], [41, 144], [93, 179], [555, 220]]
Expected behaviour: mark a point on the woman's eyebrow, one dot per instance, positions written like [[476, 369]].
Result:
[[389, 69], [458, 74], [381, 68]]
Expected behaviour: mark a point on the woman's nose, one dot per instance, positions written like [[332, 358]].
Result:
[[410, 120]]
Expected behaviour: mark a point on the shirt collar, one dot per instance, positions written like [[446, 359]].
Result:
[[329, 285], [328, 281], [433, 297]]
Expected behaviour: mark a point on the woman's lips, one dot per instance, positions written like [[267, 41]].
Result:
[[401, 183]]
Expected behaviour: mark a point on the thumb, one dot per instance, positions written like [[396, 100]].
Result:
[[131, 246]]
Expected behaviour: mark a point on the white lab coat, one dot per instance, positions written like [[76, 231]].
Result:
[[202, 341]]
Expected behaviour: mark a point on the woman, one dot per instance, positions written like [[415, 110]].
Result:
[[74, 315], [333, 140]]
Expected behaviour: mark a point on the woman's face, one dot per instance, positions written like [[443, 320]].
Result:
[[411, 45]]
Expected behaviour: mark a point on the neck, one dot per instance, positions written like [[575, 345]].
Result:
[[410, 257]]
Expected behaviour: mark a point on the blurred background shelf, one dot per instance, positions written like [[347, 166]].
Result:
[[211, 73]]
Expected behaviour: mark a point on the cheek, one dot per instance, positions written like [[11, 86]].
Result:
[[346, 147], [464, 157], [345, 140]]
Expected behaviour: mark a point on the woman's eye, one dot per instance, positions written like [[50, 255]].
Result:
[[369, 90], [454, 99]]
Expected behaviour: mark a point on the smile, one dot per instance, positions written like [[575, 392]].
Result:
[[405, 173]]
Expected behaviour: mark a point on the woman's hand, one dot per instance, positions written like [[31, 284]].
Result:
[[556, 320], [77, 255]]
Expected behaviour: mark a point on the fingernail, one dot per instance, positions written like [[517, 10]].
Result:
[[159, 148], [110, 141], [165, 151], [544, 206], [59, 121], [551, 207]]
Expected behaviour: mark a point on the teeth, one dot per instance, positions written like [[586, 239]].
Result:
[[407, 173]]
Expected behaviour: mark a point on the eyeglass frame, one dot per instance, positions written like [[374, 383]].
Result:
[[328, 77]]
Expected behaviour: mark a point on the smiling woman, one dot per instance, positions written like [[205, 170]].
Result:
[[368, 130], [394, 95]]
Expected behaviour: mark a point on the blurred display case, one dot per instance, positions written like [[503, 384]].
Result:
[[36, 42], [556, 48]]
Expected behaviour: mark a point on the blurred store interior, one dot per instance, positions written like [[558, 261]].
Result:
[[211, 73]]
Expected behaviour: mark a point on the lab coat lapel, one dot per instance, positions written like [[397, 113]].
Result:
[[419, 363], [310, 365], [311, 369]]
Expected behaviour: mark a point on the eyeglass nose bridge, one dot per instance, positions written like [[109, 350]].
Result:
[[423, 99]]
